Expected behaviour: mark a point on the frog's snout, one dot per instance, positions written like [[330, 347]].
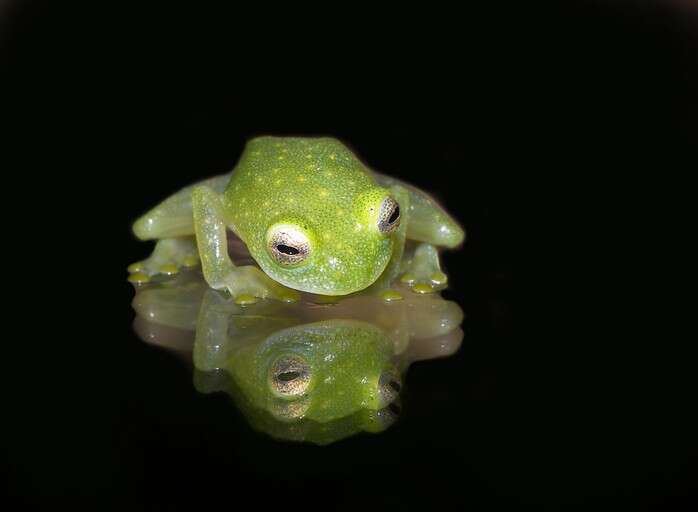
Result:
[[389, 387]]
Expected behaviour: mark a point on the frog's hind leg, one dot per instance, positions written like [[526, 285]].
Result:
[[171, 223], [168, 257], [422, 269]]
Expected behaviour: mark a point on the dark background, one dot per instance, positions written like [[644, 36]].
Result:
[[560, 135]]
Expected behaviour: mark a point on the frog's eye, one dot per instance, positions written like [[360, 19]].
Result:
[[389, 216], [388, 388], [287, 244], [289, 376]]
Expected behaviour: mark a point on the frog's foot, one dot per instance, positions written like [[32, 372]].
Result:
[[423, 272], [247, 284], [390, 295], [169, 257]]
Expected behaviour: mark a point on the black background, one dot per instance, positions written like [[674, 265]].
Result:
[[558, 134]]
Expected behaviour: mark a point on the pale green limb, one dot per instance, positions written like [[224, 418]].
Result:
[[428, 222], [211, 347], [244, 283], [171, 223], [169, 255], [173, 216], [422, 269]]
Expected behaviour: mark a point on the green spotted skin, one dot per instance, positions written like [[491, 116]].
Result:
[[345, 360], [318, 185], [351, 229]]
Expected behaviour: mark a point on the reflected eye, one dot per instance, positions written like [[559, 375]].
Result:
[[388, 388], [287, 244], [389, 216], [289, 376]]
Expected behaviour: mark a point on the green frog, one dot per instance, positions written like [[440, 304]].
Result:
[[314, 218]]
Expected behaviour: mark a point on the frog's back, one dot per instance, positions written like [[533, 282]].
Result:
[[303, 175]]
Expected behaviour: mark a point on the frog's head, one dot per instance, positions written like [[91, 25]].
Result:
[[321, 371], [338, 243], [312, 215]]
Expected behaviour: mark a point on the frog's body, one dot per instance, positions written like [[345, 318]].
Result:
[[313, 217]]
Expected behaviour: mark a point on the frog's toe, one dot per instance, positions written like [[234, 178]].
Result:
[[190, 261], [289, 296], [245, 299], [248, 284], [423, 272], [391, 295], [169, 257], [425, 282], [150, 268], [252, 297], [422, 288], [167, 266], [438, 278], [138, 278]]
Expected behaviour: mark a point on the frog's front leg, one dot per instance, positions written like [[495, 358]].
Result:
[[422, 269], [171, 224], [245, 283]]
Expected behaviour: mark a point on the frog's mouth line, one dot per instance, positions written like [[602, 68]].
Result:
[[328, 290], [331, 288]]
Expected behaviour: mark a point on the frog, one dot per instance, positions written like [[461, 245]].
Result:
[[314, 218]]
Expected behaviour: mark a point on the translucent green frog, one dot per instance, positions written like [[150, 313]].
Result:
[[313, 217]]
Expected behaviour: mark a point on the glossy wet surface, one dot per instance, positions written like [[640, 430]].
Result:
[[314, 372], [554, 136]]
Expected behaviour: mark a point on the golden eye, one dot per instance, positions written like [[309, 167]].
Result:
[[389, 216], [287, 244], [289, 376]]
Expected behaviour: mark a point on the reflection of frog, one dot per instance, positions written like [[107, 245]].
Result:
[[314, 219], [300, 371], [280, 425]]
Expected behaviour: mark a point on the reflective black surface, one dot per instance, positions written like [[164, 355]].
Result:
[[562, 136], [309, 371]]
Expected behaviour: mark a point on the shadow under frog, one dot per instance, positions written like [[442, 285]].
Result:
[[303, 371]]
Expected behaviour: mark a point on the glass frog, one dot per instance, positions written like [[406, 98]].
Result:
[[314, 219], [301, 371]]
